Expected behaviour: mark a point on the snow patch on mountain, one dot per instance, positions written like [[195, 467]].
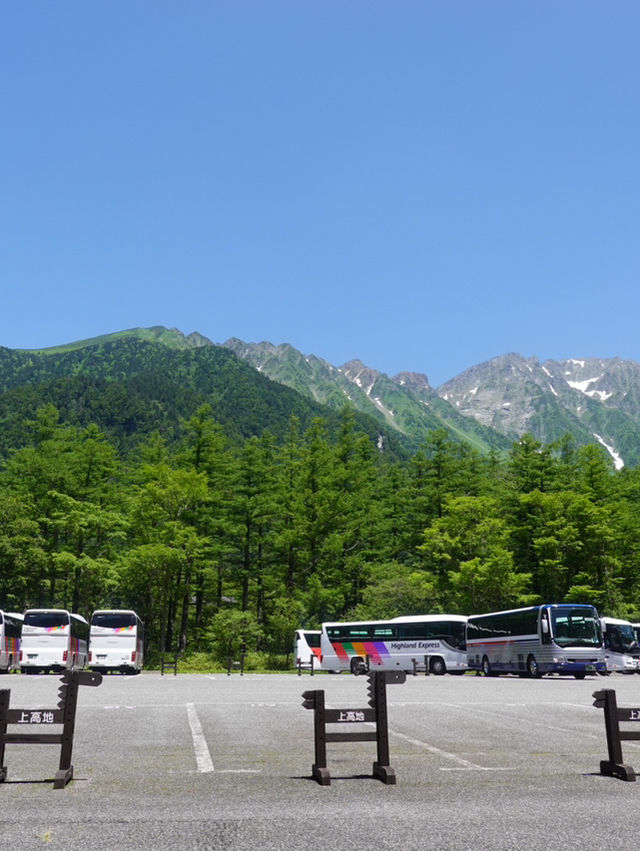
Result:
[[583, 386], [617, 460], [382, 407]]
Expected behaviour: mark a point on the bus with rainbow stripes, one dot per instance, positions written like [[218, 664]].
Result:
[[53, 640], [433, 643], [116, 641], [10, 635]]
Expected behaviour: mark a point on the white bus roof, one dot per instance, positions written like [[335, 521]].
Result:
[[429, 618], [400, 619], [114, 611], [532, 608]]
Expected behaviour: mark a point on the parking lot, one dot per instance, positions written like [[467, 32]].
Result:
[[211, 761]]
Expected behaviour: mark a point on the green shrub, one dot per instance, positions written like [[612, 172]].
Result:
[[259, 661]]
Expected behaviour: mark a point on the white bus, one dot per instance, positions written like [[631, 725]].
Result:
[[622, 653], [306, 646], [555, 638], [432, 642], [53, 640], [10, 635], [116, 641]]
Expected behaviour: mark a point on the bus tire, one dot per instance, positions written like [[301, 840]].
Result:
[[437, 666], [580, 675], [532, 667], [358, 666], [486, 667]]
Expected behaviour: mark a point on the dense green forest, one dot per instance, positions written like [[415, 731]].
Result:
[[219, 543], [131, 388]]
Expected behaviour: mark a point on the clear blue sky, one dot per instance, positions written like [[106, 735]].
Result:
[[423, 185]]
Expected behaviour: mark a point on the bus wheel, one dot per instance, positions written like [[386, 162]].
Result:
[[532, 667], [437, 666], [580, 675], [357, 666]]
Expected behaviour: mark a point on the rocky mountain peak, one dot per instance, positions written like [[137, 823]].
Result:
[[413, 380], [360, 374]]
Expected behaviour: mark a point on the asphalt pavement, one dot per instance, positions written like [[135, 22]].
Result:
[[224, 762]]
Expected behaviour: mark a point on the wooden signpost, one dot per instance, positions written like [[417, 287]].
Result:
[[29, 719], [375, 713]]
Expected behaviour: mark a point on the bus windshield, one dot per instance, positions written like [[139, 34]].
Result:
[[46, 620], [577, 626], [113, 620], [621, 638]]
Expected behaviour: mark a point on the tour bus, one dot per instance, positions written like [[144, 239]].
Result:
[[10, 634], [53, 640], [554, 638], [622, 653], [416, 642], [306, 646], [116, 641]]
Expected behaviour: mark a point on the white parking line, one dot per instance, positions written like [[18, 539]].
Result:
[[463, 764], [203, 757]]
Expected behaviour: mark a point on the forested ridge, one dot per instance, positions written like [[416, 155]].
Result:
[[220, 540], [132, 387]]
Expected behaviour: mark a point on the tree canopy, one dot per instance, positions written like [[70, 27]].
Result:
[[223, 544]]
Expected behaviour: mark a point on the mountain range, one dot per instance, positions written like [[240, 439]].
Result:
[[489, 405]]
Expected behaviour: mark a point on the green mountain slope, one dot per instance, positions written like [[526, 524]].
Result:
[[170, 337], [405, 403], [130, 387]]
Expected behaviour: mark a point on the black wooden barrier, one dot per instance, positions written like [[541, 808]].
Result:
[[235, 665], [64, 713], [614, 766], [425, 663], [166, 664], [376, 712], [306, 666]]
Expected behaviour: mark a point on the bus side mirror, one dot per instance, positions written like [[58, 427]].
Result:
[[545, 626]]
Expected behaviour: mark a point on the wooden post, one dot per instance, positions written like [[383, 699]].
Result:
[[614, 766], [68, 703], [4, 714]]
